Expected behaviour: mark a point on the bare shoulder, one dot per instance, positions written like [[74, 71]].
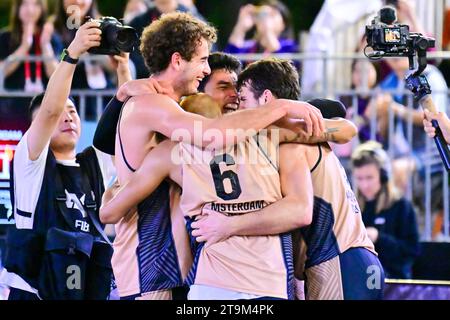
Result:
[[297, 148], [149, 101], [294, 152]]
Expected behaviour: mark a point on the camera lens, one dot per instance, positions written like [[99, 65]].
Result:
[[126, 39]]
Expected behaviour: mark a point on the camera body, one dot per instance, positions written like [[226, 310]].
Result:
[[116, 37], [388, 39]]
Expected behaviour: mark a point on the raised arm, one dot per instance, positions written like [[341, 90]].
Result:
[[158, 163], [293, 211], [58, 90], [167, 117]]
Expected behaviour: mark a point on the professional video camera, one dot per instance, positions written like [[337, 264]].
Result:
[[116, 37], [394, 40]]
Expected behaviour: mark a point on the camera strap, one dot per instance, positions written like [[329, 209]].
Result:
[[30, 85]]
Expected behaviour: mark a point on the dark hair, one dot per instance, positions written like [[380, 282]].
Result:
[[173, 32], [221, 61], [15, 25], [36, 103], [278, 76], [60, 20], [288, 32]]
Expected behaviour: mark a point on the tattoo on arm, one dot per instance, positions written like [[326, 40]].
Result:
[[300, 137]]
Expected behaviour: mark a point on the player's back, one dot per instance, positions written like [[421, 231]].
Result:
[[337, 223], [239, 180], [336, 255]]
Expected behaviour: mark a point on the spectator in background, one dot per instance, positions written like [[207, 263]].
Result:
[[133, 9], [271, 21], [28, 34], [364, 78], [190, 6], [389, 218], [70, 15], [154, 11]]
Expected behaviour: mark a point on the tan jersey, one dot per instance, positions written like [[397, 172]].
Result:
[[236, 181], [151, 250], [337, 223]]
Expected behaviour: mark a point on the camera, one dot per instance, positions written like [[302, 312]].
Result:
[[394, 40], [116, 37]]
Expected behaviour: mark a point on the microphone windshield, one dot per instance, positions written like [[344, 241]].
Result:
[[388, 15]]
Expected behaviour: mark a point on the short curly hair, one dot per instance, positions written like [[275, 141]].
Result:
[[173, 32]]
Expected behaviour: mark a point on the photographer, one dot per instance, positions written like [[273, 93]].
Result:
[[58, 249]]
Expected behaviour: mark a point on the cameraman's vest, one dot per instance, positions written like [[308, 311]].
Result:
[[27, 252]]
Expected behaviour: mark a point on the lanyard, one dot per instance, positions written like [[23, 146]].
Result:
[[38, 64]]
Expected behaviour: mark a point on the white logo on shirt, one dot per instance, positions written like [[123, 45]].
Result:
[[72, 202]]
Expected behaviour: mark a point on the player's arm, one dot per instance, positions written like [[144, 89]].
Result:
[[168, 118], [156, 167], [293, 211], [337, 130]]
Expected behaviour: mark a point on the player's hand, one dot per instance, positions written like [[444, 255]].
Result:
[[140, 87], [443, 121], [315, 125], [211, 227]]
